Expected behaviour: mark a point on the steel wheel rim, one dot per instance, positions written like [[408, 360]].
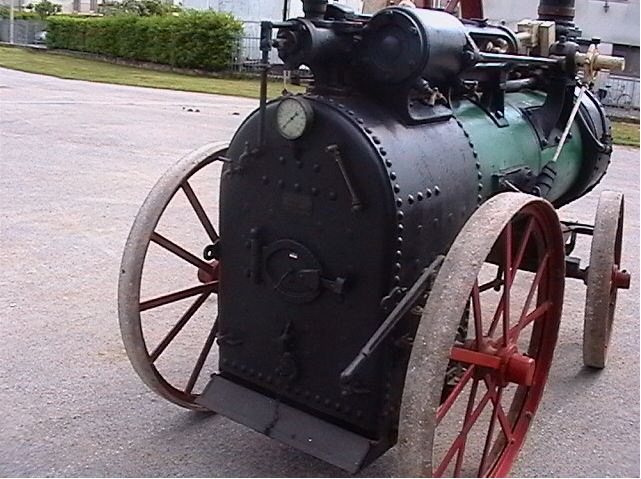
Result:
[[420, 415], [601, 290], [133, 260]]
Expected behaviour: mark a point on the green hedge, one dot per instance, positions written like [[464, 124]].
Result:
[[202, 40]]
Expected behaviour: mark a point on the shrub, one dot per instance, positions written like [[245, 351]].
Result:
[[203, 40]]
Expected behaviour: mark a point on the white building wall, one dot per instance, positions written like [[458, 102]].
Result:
[[254, 11], [82, 6], [619, 23]]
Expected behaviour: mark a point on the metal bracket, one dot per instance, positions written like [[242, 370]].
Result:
[[517, 179], [573, 269], [573, 264], [212, 251], [570, 231], [357, 204]]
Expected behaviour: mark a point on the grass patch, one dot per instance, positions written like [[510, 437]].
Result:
[[625, 133], [64, 66]]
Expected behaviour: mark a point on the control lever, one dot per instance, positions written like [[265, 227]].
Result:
[[312, 279]]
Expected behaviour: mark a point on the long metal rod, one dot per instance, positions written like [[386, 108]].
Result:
[[503, 57], [566, 131], [265, 47], [408, 301]]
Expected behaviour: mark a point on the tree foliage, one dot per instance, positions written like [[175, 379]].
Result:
[[45, 8], [141, 8], [25, 14]]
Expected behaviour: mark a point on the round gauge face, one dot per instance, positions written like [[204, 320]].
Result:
[[293, 117]]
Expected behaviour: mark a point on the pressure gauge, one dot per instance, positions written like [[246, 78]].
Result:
[[294, 115]]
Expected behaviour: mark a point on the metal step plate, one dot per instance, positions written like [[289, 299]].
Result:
[[286, 424]]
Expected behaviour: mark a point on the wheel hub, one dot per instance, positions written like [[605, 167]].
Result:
[[620, 278], [505, 364]]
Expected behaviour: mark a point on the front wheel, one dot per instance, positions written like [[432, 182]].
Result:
[[485, 342], [168, 310]]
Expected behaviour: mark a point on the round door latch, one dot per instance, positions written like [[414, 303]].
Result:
[[295, 272]]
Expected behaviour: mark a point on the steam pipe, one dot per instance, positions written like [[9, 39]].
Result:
[[559, 11], [520, 84], [314, 9]]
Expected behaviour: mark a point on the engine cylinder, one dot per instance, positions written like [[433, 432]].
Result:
[[403, 45]]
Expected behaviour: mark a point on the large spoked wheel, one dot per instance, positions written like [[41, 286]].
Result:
[[604, 278], [485, 342], [168, 335]]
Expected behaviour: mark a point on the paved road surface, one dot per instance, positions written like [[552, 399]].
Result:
[[76, 161]]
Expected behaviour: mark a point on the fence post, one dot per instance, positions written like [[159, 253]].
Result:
[[11, 22]]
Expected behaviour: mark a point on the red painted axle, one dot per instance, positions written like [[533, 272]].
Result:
[[510, 365]]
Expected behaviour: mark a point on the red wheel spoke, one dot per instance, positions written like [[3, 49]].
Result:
[[181, 253], [533, 289], [451, 399], [200, 212], [177, 296], [509, 276], [497, 316], [463, 434], [496, 399], [503, 420], [500, 309], [178, 326], [524, 241], [536, 313], [202, 357], [468, 411]]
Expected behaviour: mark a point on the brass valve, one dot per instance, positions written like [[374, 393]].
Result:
[[593, 61]]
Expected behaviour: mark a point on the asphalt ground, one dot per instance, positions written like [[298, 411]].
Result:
[[76, 161]]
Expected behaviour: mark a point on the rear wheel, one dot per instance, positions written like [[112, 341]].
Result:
[[470, 397], [604, 278], [154, 322]]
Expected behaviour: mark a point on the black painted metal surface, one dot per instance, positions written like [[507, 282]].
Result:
[[306, 271]]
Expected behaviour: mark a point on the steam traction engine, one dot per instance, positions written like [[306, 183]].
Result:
[[388, 266]]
